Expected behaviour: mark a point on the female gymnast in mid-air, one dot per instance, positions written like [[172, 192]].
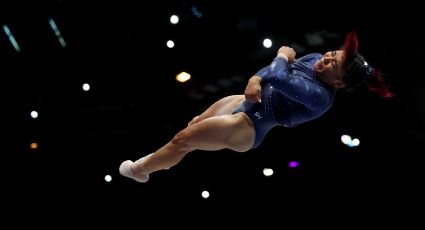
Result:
[[288, 92]]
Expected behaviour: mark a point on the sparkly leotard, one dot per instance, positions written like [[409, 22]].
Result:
[[291, 95]]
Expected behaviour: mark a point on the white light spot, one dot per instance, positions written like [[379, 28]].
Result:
[[355, 142], [205, 194], [170, 44], [174, 19], [267, 43], [108, 178], [34, 114], [346, 139], [86, 87], [267, 172]]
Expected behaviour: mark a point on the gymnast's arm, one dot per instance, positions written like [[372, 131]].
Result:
[[253, 88], [295, 87]]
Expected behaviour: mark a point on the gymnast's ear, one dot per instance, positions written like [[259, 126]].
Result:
[[340, 85]]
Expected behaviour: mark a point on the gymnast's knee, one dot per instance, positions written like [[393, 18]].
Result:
[[193, 121], [182, 139]]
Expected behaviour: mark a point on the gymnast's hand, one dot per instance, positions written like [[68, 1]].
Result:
[[253, 90], [287, 52]]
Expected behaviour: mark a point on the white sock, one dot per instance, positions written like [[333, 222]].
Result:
[[125, 170]]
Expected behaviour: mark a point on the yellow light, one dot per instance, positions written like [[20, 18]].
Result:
[[182, 77], [34, 145]]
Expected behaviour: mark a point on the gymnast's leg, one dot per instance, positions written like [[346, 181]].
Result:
[[217, 128], [224, 106]]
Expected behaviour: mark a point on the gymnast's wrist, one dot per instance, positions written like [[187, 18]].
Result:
[[284, 56]]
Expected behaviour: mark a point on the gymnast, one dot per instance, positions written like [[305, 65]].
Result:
[[288, 92]]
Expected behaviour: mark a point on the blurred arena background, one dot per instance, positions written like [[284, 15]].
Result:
[[88, 84]]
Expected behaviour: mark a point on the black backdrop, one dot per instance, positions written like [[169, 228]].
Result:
[[135, 106]]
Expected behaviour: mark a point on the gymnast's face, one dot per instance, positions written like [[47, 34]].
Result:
[[330, 69]]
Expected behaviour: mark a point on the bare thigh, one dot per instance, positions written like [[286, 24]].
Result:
[[224, 106], [233, 131]]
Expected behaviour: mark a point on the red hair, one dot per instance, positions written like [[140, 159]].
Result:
[[358, 70]]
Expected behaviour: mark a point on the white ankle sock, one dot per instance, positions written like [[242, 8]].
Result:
[[125, 170]]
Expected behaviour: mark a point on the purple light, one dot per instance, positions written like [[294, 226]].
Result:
[[293, 164]]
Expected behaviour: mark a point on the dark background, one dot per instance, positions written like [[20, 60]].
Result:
[[135, 106]]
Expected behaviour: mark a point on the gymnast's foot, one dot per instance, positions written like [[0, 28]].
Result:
[[125, 170]]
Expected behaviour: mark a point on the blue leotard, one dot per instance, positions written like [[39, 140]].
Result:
[[291, 95]]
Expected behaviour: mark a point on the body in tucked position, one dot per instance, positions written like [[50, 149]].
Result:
[[288, 92]]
